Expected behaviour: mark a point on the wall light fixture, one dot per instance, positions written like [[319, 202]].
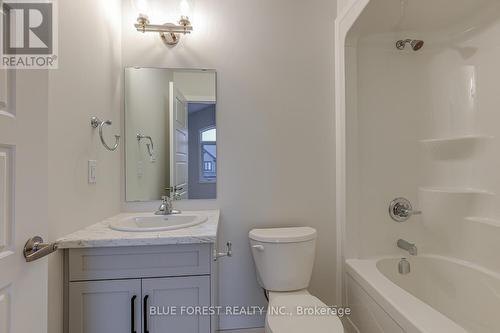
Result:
[[170, 33]]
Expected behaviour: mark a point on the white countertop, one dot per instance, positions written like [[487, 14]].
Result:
[[101, 235]]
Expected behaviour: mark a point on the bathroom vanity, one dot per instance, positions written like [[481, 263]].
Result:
[[148, 272], [151, 272], [124, 281]]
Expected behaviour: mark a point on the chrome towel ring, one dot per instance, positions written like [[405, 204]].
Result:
[[95, 123]]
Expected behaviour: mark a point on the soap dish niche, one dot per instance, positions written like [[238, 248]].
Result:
[[484, 220], [455, 147], [456, 190]]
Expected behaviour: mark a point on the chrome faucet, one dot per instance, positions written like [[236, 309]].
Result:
[[410, 247], [166, 207]]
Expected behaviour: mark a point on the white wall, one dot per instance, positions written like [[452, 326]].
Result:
[[88, 82], [275, 124], [197, 86]]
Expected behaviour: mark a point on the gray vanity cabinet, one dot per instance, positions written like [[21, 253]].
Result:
[[111, 290], [181, 294], [105, 306]]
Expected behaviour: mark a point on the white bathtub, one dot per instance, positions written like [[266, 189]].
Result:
[[439, 295]]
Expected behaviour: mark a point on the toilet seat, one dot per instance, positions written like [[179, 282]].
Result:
[[292, 321]]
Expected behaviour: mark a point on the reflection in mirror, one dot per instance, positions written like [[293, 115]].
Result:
[[171, 135]]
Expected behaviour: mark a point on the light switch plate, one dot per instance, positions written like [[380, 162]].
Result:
[[92, 170]]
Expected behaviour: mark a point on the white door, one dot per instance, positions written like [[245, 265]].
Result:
[[112, 306], [185, 295], [179, 142], [23, 198]]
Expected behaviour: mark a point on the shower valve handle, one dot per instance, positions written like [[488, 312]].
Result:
[[401, 210]]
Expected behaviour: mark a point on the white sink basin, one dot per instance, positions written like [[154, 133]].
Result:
[[157, 222]]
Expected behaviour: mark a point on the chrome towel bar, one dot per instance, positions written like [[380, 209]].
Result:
[[97, 123]]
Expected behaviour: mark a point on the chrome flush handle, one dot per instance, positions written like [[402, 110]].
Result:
[[228, 253]]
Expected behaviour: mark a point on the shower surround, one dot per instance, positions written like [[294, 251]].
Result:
[[420, 122]]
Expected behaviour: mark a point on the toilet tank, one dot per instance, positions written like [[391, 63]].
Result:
[[284, 257]]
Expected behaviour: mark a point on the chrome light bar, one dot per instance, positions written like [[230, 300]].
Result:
[[170, 33]]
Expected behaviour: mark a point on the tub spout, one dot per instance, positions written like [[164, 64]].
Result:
[[410, 247]]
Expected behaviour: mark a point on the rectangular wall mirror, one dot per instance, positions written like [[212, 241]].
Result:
[[170, 133]]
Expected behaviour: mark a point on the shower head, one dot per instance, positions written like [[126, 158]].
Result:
[[415, 44]]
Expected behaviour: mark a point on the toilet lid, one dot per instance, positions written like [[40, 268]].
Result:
[[283, 235], [290, 316]]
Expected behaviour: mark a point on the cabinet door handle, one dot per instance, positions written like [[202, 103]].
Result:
[[132, 314], [145, 314]]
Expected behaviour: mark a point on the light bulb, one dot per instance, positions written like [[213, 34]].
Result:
[[141, 6], [184, 8]]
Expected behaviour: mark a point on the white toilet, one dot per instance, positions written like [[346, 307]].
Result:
[[284, 260]]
